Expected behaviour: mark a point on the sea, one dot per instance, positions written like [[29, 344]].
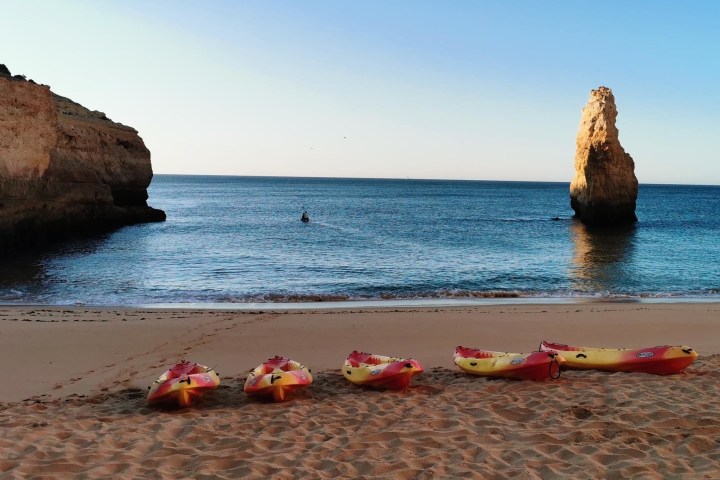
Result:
[[238, 242]]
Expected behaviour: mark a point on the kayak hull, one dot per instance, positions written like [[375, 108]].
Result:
[[277, 379], [379, 371], [520, 366], [183, 384], [660, 360]]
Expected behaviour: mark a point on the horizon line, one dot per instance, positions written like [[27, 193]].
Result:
[[312, 177]]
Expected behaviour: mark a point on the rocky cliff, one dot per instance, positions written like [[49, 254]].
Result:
[[604, 190], [65, 169]]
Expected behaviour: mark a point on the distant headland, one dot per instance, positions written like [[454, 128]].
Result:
[[64, 169]]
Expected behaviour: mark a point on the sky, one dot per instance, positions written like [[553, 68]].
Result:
[[446, 89]]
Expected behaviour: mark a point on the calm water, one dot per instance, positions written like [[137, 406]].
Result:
[[239, 239]]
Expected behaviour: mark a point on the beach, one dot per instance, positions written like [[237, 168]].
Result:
[[73, 400]]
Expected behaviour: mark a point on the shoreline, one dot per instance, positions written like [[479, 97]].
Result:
[[373, 304]]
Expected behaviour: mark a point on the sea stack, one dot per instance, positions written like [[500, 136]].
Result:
[[604, 190], [64, 169]]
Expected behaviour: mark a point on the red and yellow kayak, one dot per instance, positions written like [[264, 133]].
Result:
[[380, 371], [276, 378], [523, 366], [183, 383], [663, 360]]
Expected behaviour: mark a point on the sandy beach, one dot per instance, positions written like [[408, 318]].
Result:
[[73, 400]]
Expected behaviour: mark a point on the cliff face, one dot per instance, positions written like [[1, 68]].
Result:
[[65, 169], [604, 190]]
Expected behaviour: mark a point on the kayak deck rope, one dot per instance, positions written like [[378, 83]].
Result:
[[557, 364]]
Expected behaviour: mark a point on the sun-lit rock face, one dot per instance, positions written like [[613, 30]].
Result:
[[65, 169], [604, 190]]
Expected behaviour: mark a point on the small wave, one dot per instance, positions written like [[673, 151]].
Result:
[[15, 297], [337, 297], [467, 294], [11, 295], [457, 294], [297, 298]]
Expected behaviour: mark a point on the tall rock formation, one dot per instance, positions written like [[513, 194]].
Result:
[[65, 169], [604, 190]]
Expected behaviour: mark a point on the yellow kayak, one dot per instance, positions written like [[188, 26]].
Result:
[[662, 360], [276, 378], [380, 371], [524, 366], [183, 383]]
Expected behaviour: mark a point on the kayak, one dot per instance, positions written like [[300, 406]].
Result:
[[380, 371], [276, 378], [523, 366], [183, 383], [663, 360]]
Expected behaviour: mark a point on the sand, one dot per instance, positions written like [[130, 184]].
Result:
[[73, 399]]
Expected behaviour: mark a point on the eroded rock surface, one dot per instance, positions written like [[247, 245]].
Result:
[[65, 169], [604, 190]]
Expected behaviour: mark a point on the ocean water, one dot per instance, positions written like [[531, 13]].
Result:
[[239, 240]]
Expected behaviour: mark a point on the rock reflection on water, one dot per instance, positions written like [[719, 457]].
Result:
[[601, 258]]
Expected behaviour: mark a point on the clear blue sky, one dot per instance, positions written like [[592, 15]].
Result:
[[421, 89]]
